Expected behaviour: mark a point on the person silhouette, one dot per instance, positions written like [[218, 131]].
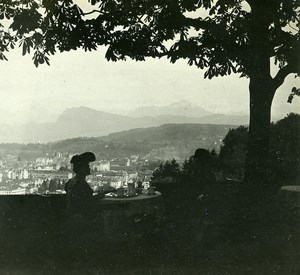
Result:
[[79, 193], [80, 217], [201, 168], [204, 180]]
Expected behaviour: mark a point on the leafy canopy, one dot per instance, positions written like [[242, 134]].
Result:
[[223, 36]]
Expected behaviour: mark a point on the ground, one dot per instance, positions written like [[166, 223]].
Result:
[[225, 245]]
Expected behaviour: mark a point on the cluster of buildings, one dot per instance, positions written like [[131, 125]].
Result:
[[48, 174]]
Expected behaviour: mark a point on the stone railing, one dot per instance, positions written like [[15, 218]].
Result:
[[30, 216]]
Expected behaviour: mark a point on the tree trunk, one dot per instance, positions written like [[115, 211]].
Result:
[[261, 97], [256, 190], [261, 89]]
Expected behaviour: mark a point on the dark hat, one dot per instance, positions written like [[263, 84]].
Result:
[[85, 157], [201, 153]]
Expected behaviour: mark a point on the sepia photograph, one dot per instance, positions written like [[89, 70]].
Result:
[[149, 137]]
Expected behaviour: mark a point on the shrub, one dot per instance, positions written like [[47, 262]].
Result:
[[284, 154]]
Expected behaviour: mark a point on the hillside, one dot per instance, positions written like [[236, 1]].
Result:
[[181, 133], [163, 142], [172, 140]]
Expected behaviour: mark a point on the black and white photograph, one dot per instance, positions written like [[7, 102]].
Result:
[[149, 137]]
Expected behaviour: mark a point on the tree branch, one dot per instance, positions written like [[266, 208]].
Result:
[[281, 75], [91, 12], [197, 23]]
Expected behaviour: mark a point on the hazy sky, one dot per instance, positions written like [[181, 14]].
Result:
[[86, 79]]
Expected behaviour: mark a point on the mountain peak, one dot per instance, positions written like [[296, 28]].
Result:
[[182, 103], [78, 109]]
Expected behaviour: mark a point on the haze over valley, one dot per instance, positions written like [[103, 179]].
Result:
[[88, 122]]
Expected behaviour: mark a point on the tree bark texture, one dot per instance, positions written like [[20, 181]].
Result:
[[261, 91], [261, 97]]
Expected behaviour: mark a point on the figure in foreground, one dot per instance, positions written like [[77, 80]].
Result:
[[81, 220], [79, 193]]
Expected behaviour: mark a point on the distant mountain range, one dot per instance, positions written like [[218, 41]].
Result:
[[87, 122], [183, 108]]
